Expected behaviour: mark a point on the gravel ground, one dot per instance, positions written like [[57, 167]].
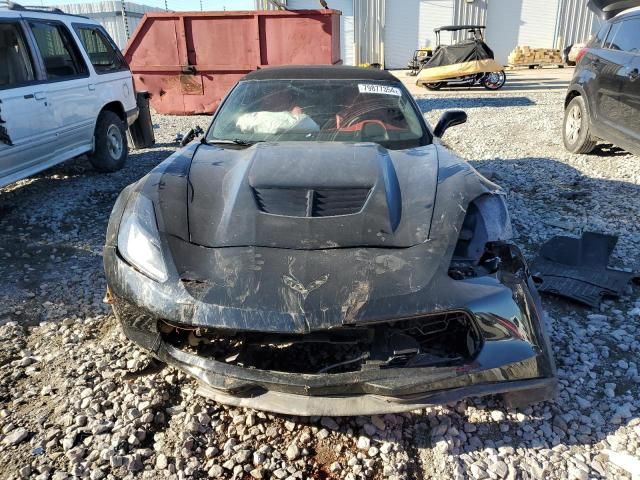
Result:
[[78, 400]]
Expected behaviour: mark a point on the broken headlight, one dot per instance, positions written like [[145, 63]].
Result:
[[139, 240]]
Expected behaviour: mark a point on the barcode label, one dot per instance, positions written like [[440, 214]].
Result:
[[379, 89]]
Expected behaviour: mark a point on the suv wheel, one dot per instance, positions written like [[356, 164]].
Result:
[[111, 149], [576, 126]]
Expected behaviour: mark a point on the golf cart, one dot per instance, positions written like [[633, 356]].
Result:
[[420, 57], [467, 62]]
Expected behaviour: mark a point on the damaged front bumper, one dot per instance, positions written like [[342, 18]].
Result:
[[493, 342]]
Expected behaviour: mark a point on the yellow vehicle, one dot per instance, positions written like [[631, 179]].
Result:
[[420, 57]]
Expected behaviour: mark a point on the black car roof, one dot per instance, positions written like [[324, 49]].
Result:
[[608, 9], [322, 72]]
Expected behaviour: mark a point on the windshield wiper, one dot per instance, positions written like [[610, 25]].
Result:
[[235, 141]]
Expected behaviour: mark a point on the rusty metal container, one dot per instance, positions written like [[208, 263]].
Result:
[[188, 61]]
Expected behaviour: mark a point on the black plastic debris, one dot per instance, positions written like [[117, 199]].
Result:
[[577, 268], [141, 131]]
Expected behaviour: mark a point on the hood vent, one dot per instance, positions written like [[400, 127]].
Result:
[[306, 202]]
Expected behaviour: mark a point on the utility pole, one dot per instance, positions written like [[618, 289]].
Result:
[[166, 6], [123, 7]]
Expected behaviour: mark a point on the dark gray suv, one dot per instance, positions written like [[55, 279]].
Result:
[[603, 100]]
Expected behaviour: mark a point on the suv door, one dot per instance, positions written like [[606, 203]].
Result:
[[68, 92], [608, 65], [628, 40], [111, 77], [25, 139]]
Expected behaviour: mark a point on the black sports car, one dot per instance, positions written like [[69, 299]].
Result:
[[320, 252]]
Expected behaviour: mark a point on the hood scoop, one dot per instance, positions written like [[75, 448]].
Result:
[[311, 195], [308, 202]]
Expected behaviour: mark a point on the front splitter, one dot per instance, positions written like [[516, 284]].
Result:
[[536, 389]]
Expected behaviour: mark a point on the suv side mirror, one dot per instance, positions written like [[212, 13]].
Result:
[[449, 119]]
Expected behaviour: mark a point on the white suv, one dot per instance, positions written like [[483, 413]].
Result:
[[65, 90]]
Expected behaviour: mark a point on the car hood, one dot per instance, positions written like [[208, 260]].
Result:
[[301, 290], [610, 8], [310, 195]]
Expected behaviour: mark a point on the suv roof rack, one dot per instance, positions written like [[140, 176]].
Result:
[[41, 9], [18, 7]]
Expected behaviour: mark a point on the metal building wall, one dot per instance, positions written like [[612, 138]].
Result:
[[433, 14], [369, 24], [401, 32], [538, 20], [267, 5], [346, 23], [109, 14], [469, 13], [576, 23]]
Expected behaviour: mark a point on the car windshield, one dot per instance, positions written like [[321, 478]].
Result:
[[319, 110]]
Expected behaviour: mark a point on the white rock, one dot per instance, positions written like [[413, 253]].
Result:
[[363, 443], [16, 436]]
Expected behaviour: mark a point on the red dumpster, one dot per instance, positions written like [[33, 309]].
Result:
[[188, 61]]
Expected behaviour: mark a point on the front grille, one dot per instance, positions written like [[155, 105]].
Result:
[[307, 202], [439, 339]]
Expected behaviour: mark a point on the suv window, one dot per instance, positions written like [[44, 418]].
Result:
[[104, 57], [59, 52], [611, 35], [626, 36], [598, 39], [15, 56]]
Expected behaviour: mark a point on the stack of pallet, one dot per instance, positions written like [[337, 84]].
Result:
[[523, 55]]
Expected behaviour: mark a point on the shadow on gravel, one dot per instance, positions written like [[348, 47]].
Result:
[[609, 150], [431, 103], [79, 169]]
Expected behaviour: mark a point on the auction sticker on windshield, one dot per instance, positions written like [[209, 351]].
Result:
[[381, 89]]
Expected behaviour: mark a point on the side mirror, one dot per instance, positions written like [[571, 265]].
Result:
[[449, 119]]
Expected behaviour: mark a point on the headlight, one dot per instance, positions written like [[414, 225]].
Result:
[[139, 240]]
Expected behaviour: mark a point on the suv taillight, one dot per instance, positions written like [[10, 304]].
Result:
[[581, 53]]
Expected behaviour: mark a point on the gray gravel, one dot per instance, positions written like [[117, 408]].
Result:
[[79, 400]]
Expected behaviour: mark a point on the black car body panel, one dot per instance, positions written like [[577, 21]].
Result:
[[608, 78], [419, 277], [608, 9], [222, 212]]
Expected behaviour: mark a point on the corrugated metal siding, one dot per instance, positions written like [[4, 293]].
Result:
[[267, 5], [503, 27], [433, 14], [109, 14], [369, 23], [538, 23], [401, 32], [465, 13], [346, 23], [576, 23]]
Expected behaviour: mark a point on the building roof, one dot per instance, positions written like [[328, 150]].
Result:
[[308, 72]]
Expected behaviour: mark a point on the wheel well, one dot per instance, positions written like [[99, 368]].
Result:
[[570, 96], [117, 108]]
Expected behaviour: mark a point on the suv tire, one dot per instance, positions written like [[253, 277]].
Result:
[[111, 148], [576, 127]]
